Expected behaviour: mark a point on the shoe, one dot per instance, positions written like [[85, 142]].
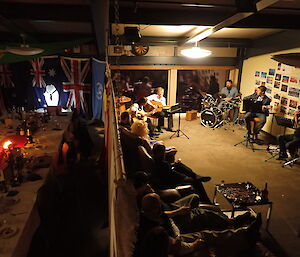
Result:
[[171, 130]]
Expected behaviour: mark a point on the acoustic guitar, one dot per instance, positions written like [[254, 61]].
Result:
[[158, 106]]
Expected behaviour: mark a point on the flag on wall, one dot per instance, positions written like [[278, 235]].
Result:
[[98, 73], [77, 72], [6, 76]]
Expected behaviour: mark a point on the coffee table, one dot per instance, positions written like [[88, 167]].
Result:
[[242, 195]]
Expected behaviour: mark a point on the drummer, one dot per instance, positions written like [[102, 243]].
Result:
[[228, 93]]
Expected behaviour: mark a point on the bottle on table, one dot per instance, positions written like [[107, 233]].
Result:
[[265, 193]]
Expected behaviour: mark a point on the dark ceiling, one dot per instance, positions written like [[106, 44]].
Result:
[[50, 20]]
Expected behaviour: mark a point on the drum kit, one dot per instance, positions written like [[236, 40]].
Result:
[[215, 110]]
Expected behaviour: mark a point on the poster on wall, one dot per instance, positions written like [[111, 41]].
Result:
[[263, 75], [293, 104], [277, 84], [277, 96], [293, 79], [271, 72], [284, 88], [136, 84], [291, 111], [295, 92], [285, 79], [269, 80], [278, 77], [284, 101], [269, 90], [191, 82], [257, 82], [263, 83], [257, 73]]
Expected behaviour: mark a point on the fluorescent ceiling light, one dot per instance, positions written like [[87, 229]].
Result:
[[24, 50], [195, 52]]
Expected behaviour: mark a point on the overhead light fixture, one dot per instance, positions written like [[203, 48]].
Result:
[[24, 49], [195, 52]]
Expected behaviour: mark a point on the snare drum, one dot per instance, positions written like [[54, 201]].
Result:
[[211, 117]]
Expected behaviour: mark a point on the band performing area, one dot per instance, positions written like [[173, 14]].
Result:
[[149, 128]]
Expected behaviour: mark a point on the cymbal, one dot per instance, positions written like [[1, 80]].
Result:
[[123, 99]]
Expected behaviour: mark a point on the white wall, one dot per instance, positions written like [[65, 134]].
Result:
[[263, 63]]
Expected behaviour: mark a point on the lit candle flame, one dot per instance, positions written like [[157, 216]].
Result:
[[7, 144]]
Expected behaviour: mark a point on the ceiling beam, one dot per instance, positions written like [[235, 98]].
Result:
[[208, 42], [174, 60], [228, 22], [14, 29], [56, 12], [205, 18]]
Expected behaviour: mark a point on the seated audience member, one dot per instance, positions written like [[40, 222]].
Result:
[[125, 120], [152, 217], [168, 176], [187, 213], [290, 141], [229, 242], [139, 128]]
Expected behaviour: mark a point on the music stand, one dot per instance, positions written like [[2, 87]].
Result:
[[178, 131]]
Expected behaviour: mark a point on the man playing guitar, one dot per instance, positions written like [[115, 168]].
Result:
[[157, 102], [260, 109], [137, 112]]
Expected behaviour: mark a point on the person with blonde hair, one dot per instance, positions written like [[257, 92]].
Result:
[[140, 128]]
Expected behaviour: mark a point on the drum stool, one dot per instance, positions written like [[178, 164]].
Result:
[[250, 140]]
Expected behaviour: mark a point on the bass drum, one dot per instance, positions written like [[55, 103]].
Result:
[[211, 117]]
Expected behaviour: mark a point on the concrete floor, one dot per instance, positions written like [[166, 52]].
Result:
[[212, 152]]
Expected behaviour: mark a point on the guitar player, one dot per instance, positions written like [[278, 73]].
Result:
[[262, 102], [137, 112], [157, 101]]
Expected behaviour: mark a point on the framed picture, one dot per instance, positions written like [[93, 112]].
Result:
[[278, 77], [284, 88], [271, 72], [285, 79], [277, 84]]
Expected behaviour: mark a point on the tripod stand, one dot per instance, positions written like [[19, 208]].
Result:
[[247, 141], [178, 131]]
